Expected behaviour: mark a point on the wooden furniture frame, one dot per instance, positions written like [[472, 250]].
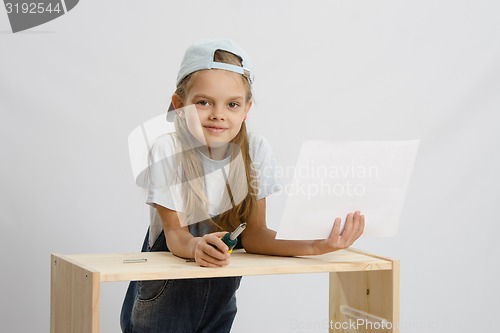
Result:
[[363, 281]]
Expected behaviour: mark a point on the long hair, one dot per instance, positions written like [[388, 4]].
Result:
[[240, 194]]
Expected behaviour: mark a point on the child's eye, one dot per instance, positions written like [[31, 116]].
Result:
[[233, 105], [203, 103]]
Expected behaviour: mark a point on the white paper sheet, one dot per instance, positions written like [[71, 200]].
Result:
[[332, 179]]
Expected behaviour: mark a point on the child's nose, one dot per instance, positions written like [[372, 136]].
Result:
[[217, 113]]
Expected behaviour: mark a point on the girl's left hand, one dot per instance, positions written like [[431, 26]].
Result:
[[353, 228]]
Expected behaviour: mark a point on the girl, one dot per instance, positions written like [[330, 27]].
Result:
[[204, 180]]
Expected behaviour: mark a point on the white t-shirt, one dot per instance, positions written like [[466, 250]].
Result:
[[163, 189]]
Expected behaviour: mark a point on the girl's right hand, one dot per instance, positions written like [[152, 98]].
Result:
[[211, 251], [342, 239]]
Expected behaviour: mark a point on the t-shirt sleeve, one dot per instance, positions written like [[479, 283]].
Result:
[[161, 188], [265, 165]]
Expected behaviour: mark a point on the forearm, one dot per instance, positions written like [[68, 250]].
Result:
[[208, 251], [181, 243], [263, 241], [259, 239]]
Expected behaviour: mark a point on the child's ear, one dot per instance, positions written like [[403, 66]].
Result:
[[177, 101], [248, 106]]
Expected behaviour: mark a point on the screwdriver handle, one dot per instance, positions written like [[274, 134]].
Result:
[[231, 243]]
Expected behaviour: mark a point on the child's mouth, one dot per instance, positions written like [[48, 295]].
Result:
[[214, 129]]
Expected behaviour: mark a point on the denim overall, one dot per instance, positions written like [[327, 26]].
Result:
[[203, 305]]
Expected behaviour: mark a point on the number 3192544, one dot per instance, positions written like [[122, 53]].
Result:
[[32, 8]]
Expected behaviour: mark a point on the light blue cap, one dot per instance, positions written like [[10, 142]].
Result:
[[200, 56]]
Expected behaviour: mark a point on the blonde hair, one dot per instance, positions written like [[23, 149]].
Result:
[[241, 180]]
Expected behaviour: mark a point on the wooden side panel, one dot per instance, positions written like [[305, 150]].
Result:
[[371, 292], [74, 298]]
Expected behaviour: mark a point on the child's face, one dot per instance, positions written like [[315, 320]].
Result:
[[221, 102]]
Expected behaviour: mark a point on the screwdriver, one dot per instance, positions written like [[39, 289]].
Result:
[[231, 239]]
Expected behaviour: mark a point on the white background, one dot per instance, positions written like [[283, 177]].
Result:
[[71, 91]]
